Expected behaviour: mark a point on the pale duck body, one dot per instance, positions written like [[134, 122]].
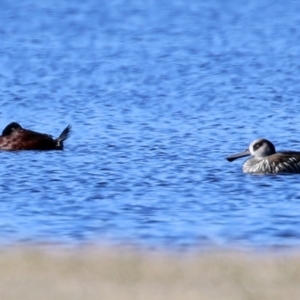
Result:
[[266, 160]]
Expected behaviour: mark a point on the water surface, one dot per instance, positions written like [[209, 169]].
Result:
[[158, 94]]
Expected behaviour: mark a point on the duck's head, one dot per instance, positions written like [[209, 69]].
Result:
[[10, 128], [258, 148]]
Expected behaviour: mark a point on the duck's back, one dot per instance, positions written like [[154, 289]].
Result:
[[280, 162], [23, 139]]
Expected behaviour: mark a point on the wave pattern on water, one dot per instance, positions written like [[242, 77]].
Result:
[[158, 95]]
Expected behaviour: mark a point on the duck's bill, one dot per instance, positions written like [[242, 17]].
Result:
[[238, 155]]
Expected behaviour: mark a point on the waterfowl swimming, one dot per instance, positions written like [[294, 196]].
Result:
[[14, 137], [265, 159]]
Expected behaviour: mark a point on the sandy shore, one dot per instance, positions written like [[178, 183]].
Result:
[[114, 274]]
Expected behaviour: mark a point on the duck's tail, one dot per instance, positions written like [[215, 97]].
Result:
[[62, 137], [65, 134]]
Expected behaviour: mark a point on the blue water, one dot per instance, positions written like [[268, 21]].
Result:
[[158, 94]]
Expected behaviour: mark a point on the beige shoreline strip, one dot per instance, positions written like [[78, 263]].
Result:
[[95, 273]]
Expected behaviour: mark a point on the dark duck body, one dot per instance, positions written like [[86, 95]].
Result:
[[14, 137], [265, 159]]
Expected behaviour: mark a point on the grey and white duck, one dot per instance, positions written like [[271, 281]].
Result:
[[265, 160]]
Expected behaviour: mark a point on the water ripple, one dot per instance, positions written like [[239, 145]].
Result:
[[158, 96]]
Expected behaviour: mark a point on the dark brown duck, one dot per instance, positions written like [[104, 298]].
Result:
[[14, 137]]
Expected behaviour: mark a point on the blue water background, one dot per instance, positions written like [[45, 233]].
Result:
[[158, 93]]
